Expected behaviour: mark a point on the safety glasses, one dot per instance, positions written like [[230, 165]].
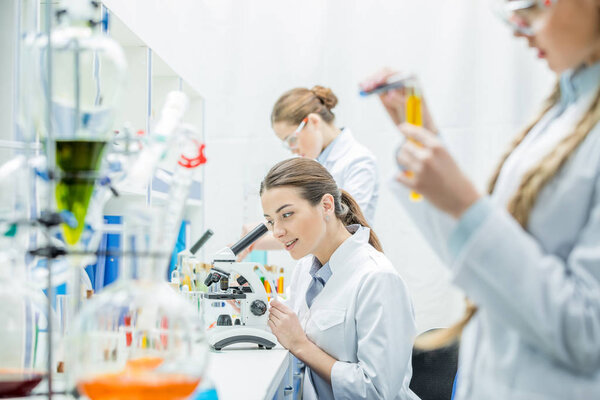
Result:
[[523, 16], [291, 141]]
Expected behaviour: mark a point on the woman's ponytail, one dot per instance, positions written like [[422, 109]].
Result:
[[352, 214]]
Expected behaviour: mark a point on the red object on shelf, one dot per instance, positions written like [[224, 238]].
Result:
[[193, 162], [127, 323]]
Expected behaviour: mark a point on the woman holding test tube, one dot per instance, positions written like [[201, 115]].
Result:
[[349, 316], [527, 254]]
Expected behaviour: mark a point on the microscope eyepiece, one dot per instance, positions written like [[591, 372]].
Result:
[[250, 238]]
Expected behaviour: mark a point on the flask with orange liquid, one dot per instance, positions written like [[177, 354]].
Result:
[[138, 339]]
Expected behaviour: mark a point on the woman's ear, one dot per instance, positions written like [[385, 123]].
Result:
[[314, 120], [328, 204]]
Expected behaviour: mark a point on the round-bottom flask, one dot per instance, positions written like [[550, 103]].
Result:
[[138, 339]]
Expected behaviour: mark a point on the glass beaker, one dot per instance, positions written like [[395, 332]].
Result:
[[138, 338]]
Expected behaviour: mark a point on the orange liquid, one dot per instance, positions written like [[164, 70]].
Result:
[[139, 381], [414, 116], [149, 386], [143, 363]]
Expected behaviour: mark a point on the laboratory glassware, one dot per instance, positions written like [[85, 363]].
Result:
[[23, 327], [414, 115], [138, 338], [409, 85], [88, 72]]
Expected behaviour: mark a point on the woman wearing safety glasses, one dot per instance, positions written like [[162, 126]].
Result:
[[303, 119], [528, 253]]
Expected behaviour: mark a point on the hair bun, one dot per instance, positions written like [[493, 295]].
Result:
[[326, 96]]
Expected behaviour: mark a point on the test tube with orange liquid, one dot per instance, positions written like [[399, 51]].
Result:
[[268, 289], [413, 108], [280, 289], [414, 115]]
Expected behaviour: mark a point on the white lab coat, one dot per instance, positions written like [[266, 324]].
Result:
[[363, 317], [537, 332], [354, 169]]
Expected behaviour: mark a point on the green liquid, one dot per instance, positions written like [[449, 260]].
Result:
[[78, 160]]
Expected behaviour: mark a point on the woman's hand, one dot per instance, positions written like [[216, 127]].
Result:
[[432, 172], [286, 327], [394, 101]]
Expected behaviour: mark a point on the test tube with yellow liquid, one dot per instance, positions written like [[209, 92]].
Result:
[[413, 110], [414, 115]]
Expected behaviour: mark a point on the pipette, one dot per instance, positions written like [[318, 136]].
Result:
[[399, 81]]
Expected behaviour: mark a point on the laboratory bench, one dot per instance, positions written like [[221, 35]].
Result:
[[250, 373], [238, 372]]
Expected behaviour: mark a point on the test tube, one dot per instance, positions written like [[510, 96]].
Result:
[[280, 281], [413, 108], [414, 115]]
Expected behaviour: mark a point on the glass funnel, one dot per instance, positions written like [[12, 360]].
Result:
[[83, 84], [23, 311], [138, 339]]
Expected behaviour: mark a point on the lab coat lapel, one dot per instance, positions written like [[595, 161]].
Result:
[[341, 146], [342, 263]]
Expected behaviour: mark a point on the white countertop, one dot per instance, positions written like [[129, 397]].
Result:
[[246, 372], [238, 372]]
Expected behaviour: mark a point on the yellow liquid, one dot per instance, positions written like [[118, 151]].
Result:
[[414, 116], [73, 192]]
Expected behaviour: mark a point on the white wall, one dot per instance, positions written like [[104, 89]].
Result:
[[240, 56]]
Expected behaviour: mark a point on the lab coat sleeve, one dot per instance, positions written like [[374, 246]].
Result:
[[385, 333], [435, 225], [361, 181], [553, 303]]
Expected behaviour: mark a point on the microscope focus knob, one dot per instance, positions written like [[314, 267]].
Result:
[[258, 307]]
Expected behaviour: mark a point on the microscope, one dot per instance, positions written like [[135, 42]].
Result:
[[251, 327]]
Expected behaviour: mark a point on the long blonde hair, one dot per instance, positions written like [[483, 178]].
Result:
[[524, 199]]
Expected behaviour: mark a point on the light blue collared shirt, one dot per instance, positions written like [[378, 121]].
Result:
[[325, 153], [320, 274]]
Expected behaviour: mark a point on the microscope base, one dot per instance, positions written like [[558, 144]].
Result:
[[221, 337]]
